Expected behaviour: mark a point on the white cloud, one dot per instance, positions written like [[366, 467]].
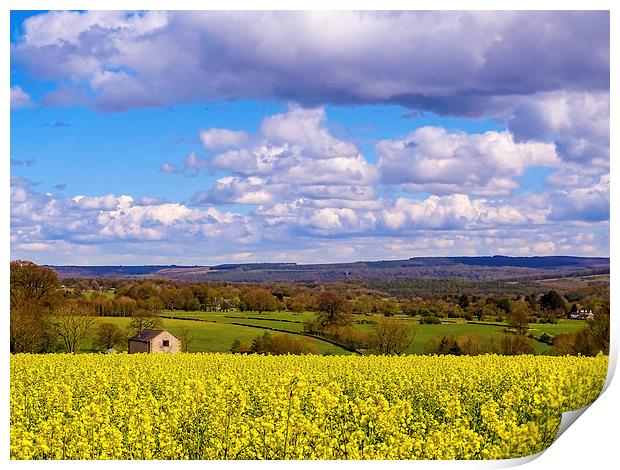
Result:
[[231, 189], [192, 164], [215, 138], [577, 121], [455, 211], [108, 202], [306, 128], [242, 256], [61, 27], [433, 159], [294, 155], [38, 218], [118, 229], [590, 203], [168, 168], [19, 98]]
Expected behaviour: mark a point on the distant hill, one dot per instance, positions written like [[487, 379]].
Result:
[[483, 268]]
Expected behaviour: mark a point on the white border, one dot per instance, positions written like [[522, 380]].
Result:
[[590, 443]]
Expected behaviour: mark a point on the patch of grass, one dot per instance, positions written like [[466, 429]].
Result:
[[563, 326]]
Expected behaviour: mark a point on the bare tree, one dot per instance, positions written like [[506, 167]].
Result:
[[108, 335], [187, 338], [28, 331], [392, 336], [72, 325], [144, 321], [333, 308]]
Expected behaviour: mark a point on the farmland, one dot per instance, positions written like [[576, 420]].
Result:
[[222, 406], [214, 337], [216, 331]]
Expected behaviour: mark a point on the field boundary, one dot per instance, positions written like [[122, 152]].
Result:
[[263, 319]]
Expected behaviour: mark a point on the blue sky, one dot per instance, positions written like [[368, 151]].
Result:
[[111, 149], [126, 148]]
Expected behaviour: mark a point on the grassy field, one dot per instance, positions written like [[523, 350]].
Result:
[[110, 294], [215, 337], [235, 316], [216, 331]]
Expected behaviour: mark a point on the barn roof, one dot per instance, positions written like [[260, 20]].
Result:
[[146, 335]]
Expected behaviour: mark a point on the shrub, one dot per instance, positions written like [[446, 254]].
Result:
[[465, 345], [280, 343], [430, 321], [346, 335], [513, 344], [392, 336], [589, 341]]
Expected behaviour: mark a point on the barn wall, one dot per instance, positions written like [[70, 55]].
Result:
[[138, 347], [157, 343]]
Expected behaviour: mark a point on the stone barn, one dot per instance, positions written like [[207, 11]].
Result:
[[154, 341]]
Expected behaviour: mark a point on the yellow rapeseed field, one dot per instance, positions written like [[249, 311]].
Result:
[[222, 406]]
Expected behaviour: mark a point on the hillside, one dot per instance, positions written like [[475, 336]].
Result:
[[483, 268]]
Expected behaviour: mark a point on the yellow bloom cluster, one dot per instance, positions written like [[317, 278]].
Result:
[[222, 406]]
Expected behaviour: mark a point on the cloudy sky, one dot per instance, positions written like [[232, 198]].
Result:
[[210, 137]]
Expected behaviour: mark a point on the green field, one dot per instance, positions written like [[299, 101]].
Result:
[[214, 337], [109, 294], [235, 316], [216, 331]]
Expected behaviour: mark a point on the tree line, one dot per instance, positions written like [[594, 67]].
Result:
[[48, 315]]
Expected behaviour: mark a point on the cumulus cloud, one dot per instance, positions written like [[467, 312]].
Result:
[[433, 159], [222, 138], [470, 60], [107, 202], [19, 98], [577, 122], [121, 228], [306, 128], [292, 155], [455, 211], [237, 190], [307, 185], [589, 203], [41, 218]]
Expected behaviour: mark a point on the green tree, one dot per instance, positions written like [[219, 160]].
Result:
[[588, 341], [260, 300], [518, 316], [463, 301], [35, 293], [279, 343], [235, 345], [35, 286], [552, 301]]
